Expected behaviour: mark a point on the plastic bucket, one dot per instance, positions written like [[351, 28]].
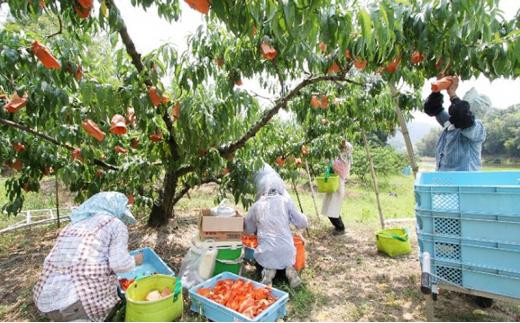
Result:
[[164, 310], [300, 253], [407, 170], [249, 240], [327, 185], [229, 259], [393, 242], [298, 244], [249, 254]]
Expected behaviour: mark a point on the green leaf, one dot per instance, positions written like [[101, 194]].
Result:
[[366, 25]]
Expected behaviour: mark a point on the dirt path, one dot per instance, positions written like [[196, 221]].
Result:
[[346, 279]]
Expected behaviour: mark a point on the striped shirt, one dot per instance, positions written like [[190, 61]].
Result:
[[82, 266]]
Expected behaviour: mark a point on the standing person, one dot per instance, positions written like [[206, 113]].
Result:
[[333, 201], [78, 281], [460, 144], [270, 218]]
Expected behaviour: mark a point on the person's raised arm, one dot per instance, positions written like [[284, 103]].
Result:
[[433, 108], [461, 116]]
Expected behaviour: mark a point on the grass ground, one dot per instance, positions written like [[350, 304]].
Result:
[[345, 278]]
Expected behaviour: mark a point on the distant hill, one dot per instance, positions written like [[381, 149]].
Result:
[[417, 130]]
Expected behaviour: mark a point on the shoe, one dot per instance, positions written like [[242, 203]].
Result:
[[292, 275], [339, 232], [268, 276]]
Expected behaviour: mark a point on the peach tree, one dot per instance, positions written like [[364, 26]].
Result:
[[79, 100]]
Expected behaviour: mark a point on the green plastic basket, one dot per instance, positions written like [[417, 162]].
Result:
[[164, 310], [327, 184], [229, 259], [393, 242]]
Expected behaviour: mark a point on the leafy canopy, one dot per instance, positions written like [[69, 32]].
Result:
[[342, 50]]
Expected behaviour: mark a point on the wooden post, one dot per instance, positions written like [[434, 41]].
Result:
[[299, 202], [297, 195], [374, 180], [57, 199], [312, 191], [404, 131]]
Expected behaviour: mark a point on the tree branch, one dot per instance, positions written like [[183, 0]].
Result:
[[187, 188], [138, 63], [59, 31], [253, 93], [181, 194], [128, 42], [51, 140], [183, 171], [269, 114], [171, 139]]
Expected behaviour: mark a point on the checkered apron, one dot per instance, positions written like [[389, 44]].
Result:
[[95, 283]]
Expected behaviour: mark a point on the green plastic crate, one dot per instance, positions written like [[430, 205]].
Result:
[[327, 185], [229, 259], [393, 242]]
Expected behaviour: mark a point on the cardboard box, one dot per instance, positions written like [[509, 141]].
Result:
[[220, 228]]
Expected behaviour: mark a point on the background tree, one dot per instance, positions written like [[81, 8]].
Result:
[[427, 145], [503, 133]]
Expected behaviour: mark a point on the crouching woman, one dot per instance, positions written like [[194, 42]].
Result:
[[270, 218], [78, 281]]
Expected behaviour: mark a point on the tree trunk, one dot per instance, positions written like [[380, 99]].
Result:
[[162, 209], [404, 131]]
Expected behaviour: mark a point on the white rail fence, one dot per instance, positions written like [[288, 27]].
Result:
[[38, 217]]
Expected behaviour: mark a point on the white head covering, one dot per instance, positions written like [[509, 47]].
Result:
[[267, 179], [347, 147], [346, 151], [477, 101], [110, 203], [275, 186]]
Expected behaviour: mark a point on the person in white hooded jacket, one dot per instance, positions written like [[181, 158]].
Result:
[[270, 218]]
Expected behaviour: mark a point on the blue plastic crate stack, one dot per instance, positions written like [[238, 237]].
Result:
[[469, 223]]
